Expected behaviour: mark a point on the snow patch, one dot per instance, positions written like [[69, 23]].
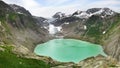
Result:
[[60, 14], [83, 15], [45, 27], [51, 20], [59, 28], [85, 27], [99, 12], [19, 12], [102, 16], [66, 23], [53, 30], [104, 32], [109, 12]]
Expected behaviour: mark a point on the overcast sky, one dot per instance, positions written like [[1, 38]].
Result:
[[47, 8]]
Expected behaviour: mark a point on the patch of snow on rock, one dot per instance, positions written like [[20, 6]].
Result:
[[59, 28], [66, 23], [19, 13], [51, 20], [52, 29], [99, 12], [85, 27], [83, 15], [104, 32]]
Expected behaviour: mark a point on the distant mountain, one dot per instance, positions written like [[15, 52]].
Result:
[[103, 12], [60, 18], [59, 15]]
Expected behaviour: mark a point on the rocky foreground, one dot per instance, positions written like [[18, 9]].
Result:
[[92, 62]]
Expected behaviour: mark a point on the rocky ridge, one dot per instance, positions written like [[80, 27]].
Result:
[[19, 27]]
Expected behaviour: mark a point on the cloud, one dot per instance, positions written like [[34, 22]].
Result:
[[112, 4], [55, 2], [50, 11], [104, 3], [46, 8], [18, 2]]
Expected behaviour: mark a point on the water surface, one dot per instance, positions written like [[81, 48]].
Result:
[[68, 50]]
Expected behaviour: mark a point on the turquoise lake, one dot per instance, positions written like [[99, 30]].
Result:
[[68, 50]]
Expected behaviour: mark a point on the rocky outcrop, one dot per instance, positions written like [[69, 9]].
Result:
[[112, 41], [113, 47], [96, 62], [59, 15]]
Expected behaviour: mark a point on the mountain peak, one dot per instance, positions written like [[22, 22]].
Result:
[[20, 10], [59, 15], [94, 11]]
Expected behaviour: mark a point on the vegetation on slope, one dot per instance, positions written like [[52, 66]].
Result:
[[10, 60], [98, 27]]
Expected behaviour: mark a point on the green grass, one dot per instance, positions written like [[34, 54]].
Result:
[[94, 25], [12, 16], [10, 60], [112, 30]]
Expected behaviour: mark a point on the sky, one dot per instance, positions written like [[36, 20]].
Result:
[[47, 8]]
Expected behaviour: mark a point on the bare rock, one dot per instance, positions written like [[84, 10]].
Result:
[[2, 49]]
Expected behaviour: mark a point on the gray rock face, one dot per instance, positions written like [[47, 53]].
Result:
[[93, 10], [20, 28], [59, 15], [112, 43], [20, 10]]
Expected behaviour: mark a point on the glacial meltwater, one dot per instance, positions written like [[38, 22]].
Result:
[[68, 50]]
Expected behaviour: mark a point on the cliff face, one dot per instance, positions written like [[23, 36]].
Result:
[[20, 28], [112, 40], [112, 45]]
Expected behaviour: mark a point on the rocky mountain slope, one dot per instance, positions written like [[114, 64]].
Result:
[[19, 27], [19, 34]]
